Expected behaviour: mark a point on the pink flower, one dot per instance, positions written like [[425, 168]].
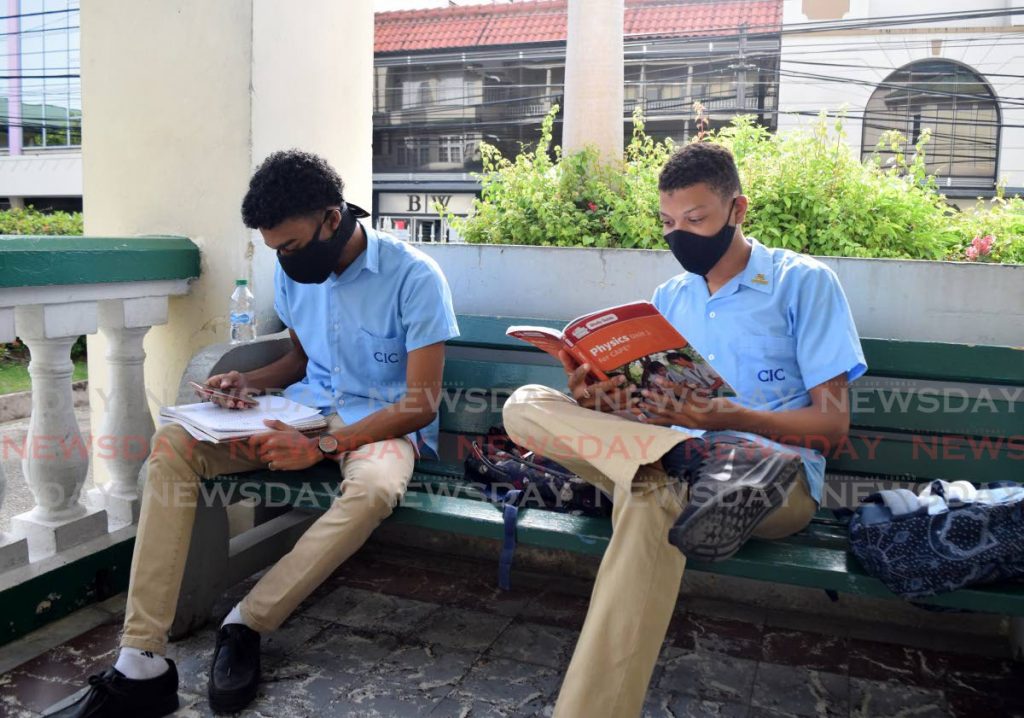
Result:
[[983, 244], [591, 206], [972, 253]]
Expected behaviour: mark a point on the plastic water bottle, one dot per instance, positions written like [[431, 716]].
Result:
[[243, 315]]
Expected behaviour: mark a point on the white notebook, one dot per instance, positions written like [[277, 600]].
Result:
[[206, 421]]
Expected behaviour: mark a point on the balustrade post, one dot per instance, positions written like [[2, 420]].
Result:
[[122, 443], [13, 548], [55, 457]]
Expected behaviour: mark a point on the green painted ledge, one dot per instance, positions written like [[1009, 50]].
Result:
[[46, 261]]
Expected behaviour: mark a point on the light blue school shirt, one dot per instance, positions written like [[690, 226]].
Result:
[[774, 331], [358, 328]]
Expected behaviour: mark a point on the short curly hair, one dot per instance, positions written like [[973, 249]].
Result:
[[699, 162], [290, 184]]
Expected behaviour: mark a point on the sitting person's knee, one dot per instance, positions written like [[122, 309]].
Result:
[[171, 440], [379, 489], [520, 408]]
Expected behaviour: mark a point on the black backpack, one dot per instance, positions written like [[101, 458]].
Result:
[[514, 478]]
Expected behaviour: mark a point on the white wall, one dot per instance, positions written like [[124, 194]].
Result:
[[46, 174], [177, 117], [891, 299], [798, 11], [871, 56]]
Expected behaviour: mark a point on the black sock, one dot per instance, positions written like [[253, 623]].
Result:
[[684, 459]]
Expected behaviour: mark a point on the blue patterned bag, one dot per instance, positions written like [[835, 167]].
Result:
[[920, 554]]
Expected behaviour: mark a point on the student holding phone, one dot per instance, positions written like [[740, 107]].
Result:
[[368, 317]]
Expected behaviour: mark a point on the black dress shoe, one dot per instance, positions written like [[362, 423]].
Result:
[[737, 485], [113, 695], [235, 672]]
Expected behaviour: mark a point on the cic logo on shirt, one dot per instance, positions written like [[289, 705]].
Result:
[[771, 375], [385, 357]]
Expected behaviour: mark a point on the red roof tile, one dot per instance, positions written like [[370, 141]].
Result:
[[535, 21]]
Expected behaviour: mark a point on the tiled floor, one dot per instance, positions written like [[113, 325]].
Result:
[[390, 636]]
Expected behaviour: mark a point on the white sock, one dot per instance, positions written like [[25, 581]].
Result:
[[235, 617], [140, 665]]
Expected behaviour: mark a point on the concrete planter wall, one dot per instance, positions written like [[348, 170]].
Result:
[[891, 299]]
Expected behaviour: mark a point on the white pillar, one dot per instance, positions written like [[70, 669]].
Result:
[[13, 548], [56, 457], [177, 116], [122, 443], [594, 77]]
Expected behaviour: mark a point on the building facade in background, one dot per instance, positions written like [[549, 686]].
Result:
[[40, 105], [449, 79], [948, 66]]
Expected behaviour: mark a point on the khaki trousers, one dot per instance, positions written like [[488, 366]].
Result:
[[375, 478], [638, 581]]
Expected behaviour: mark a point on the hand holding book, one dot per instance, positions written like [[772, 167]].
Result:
[[625, 349], [614, 395]]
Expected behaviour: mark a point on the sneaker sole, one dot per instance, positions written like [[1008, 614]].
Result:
[[714, 532]]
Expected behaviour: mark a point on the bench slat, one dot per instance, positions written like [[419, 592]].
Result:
[[923, 458], [489, 332], [897, 410], [975, 363], [807, 559], [978, 363], [482, 377]]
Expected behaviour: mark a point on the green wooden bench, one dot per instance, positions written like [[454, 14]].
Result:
[[897, 436]]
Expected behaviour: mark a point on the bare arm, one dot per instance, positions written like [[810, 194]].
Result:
[[277, 375], [826, 421], [281, 373]]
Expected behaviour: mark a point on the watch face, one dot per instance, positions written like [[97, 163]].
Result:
[[328, 444]]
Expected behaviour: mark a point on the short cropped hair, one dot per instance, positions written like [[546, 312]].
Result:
[[698, 162], [290, 184]]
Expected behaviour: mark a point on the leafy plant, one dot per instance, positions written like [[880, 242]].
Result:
[[32, 221], [809, 192], [542, 197]]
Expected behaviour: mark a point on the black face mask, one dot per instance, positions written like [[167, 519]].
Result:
[[314, 263], [697, 253]]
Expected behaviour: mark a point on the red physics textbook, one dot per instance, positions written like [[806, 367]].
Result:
[[633, 339]]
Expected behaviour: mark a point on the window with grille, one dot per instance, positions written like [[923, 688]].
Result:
[[951, 100]]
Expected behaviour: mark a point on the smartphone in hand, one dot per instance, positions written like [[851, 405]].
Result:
[[209, 394]]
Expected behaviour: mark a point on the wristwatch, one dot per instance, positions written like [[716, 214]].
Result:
[[328, 445]]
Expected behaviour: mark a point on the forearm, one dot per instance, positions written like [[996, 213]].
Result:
[[809, 426], [392, 422], [279, 374]]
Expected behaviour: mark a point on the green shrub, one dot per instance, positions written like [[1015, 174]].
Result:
[[1002, 220], [32, 221], [544, 198], [809, 192]]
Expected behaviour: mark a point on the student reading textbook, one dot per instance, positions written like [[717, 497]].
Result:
[[368, 317], [694, 476]]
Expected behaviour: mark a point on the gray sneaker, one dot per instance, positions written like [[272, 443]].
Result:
[[738, 484]]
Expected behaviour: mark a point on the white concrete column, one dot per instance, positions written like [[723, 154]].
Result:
[[122, 443], [13, 548], [594, 77], [56, 457], [178, 117]]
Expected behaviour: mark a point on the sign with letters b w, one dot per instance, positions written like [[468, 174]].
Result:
[[392, 203]]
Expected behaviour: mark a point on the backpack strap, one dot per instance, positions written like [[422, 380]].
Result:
[[510, 512]]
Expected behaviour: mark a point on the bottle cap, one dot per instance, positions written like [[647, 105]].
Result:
[[241, 282]]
